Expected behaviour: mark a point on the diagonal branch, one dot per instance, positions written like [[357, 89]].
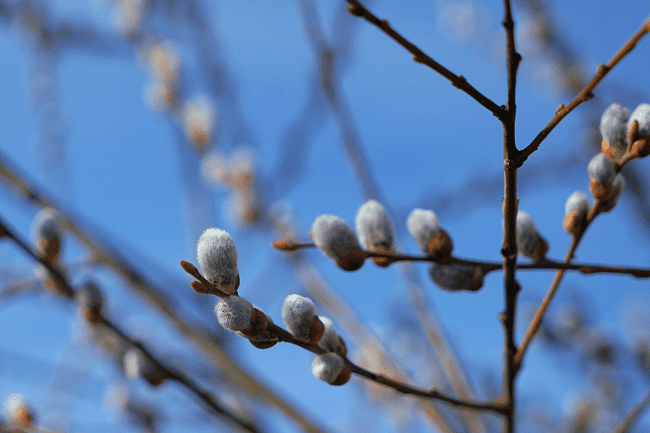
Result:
[[419, 56], [585, 94]]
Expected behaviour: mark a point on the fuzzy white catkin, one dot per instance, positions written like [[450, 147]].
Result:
[[330, 339], [374, 226], [133, 360], [333, 236], [577, 202], [423, 226], [526, 234], [298, 315], [47, 225], [234, 313], [617, 190], [613, 125], [642, 115], [602, 169], [13, 404], [217, 257], [455, 276], [327, 367]]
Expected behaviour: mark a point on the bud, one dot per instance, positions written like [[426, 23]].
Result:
[[47, 232], [299, 316], [575, 212], [90, 301], [198, 121], [602, 171], [337, 240], [642, 115], [424, 227], [18, 413], [331, 342], [217, 257], [265, 339], [331, 368], [613, 127], [138, 364], [237, 314], [457, 276], [529, 242], [375, 230], [617, 190]]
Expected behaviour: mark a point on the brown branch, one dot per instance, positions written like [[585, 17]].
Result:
[[286, 337], [584, 268], [537, 319], [585, 94], [419, 56], [510, 205]]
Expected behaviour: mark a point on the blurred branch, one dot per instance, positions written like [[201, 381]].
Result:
[[632, 416], [156, 297], [68, 292], [585, 94], [419, 56]]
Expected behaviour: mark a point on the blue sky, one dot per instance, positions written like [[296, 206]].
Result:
[[122, 167]]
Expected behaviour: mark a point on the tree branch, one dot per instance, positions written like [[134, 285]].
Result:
[[419, 56]]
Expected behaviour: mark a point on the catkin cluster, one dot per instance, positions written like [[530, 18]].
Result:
[[217, 257], [626, 135], [374, 235]]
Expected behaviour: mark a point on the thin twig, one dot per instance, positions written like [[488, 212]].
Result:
[[537, 319], [632, 416], [510, 204], [419, 56], [286, 336], [487, 267], [585, 94]]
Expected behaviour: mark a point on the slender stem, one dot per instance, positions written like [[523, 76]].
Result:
[[584, 268], [510, 204], [537, 319], [585, 94], [404, 388], [419, 56]]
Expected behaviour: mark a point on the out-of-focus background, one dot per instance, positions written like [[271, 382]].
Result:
[[146, 122]]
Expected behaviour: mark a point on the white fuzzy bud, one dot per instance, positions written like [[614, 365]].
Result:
[[328, 367], [18, 413], [234, 313], [330, 341], [577, 202], [333, 236], [457, 276], [602, 169], [642, 115], [527, 238], [374, 227], [217, 257], [613, 127], [138, 364], [423, 226], [617, 190], [47, 225], [298, 314]]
